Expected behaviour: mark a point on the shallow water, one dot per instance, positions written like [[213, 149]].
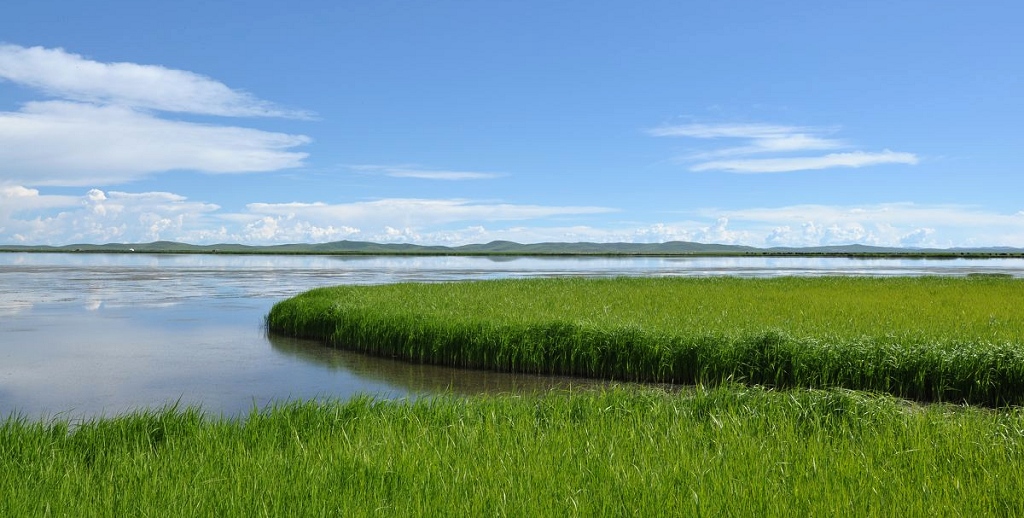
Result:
[[85, 335]]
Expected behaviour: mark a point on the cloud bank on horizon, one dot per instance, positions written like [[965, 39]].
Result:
[[387, 148]]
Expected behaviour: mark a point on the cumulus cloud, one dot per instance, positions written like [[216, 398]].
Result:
[[423, 221], [104, 216], [788, 142], [16, 198], [104, 131], [887, 224], [257, 229], [425, 174], [97, 216], [890, 225]]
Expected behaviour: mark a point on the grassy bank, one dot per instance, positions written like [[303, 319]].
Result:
[[730, 450], [930, 338]]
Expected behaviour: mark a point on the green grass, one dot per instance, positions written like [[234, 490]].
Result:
[[730, 450], [724, 448], [929, 338]]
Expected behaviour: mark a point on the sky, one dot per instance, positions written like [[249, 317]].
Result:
[[761, 123]]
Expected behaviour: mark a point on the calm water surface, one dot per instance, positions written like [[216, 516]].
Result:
[[84, 335]]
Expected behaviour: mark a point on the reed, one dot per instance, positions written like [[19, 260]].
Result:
[[927, 338], [729, 450]]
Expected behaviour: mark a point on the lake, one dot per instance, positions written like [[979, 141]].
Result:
[[87, 335]]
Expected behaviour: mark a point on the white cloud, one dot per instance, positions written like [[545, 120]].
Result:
[[887, 224], [783, 165], [72, 144], [917, 238], [104, 131], [779, 140], [745, 131], [99, 216], [426, 174], [271, 229], [715, 231], [96, 216], [892, 225], [413, 212], [440, 175], [763, 138], [16, 198], [148, 87], [383, 221], [959, 216]]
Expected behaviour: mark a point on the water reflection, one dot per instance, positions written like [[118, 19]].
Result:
[[416, 378], [99, 334], [161, 280]]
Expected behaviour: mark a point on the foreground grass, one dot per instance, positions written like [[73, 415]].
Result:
[[929, 338], [731, 450]]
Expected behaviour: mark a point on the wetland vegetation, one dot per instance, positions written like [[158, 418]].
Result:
[[726, 450], [926, 338]]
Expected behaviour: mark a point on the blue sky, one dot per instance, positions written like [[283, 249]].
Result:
[[784, 123]]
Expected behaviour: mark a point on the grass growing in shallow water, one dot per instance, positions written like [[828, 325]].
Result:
[[929, 338], [641, 452]]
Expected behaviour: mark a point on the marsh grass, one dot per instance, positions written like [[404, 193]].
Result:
[[731, 450], [927, 338]]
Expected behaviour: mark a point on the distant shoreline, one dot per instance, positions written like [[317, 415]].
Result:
[[510, 249], [852, 255]]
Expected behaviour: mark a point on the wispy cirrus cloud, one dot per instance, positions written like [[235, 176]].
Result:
[[418, 212], [786, 164], [76, 144], [150, 87], [105, 129], [789, 143], [405, 171], [762, 138]]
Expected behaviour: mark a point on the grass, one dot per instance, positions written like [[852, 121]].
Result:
[[730, 450], [724, 448], [927, 338]]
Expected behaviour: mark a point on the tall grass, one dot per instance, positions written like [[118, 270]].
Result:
[[730, 450], [930, 338]]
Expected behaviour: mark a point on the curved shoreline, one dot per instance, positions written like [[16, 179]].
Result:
[[956, 340]]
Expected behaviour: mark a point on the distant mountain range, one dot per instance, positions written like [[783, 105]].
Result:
[[510, 248]]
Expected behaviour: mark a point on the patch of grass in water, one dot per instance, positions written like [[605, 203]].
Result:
[[927, 338]]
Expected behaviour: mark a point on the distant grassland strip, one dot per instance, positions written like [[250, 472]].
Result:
[[927, 338], [724, 451]]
